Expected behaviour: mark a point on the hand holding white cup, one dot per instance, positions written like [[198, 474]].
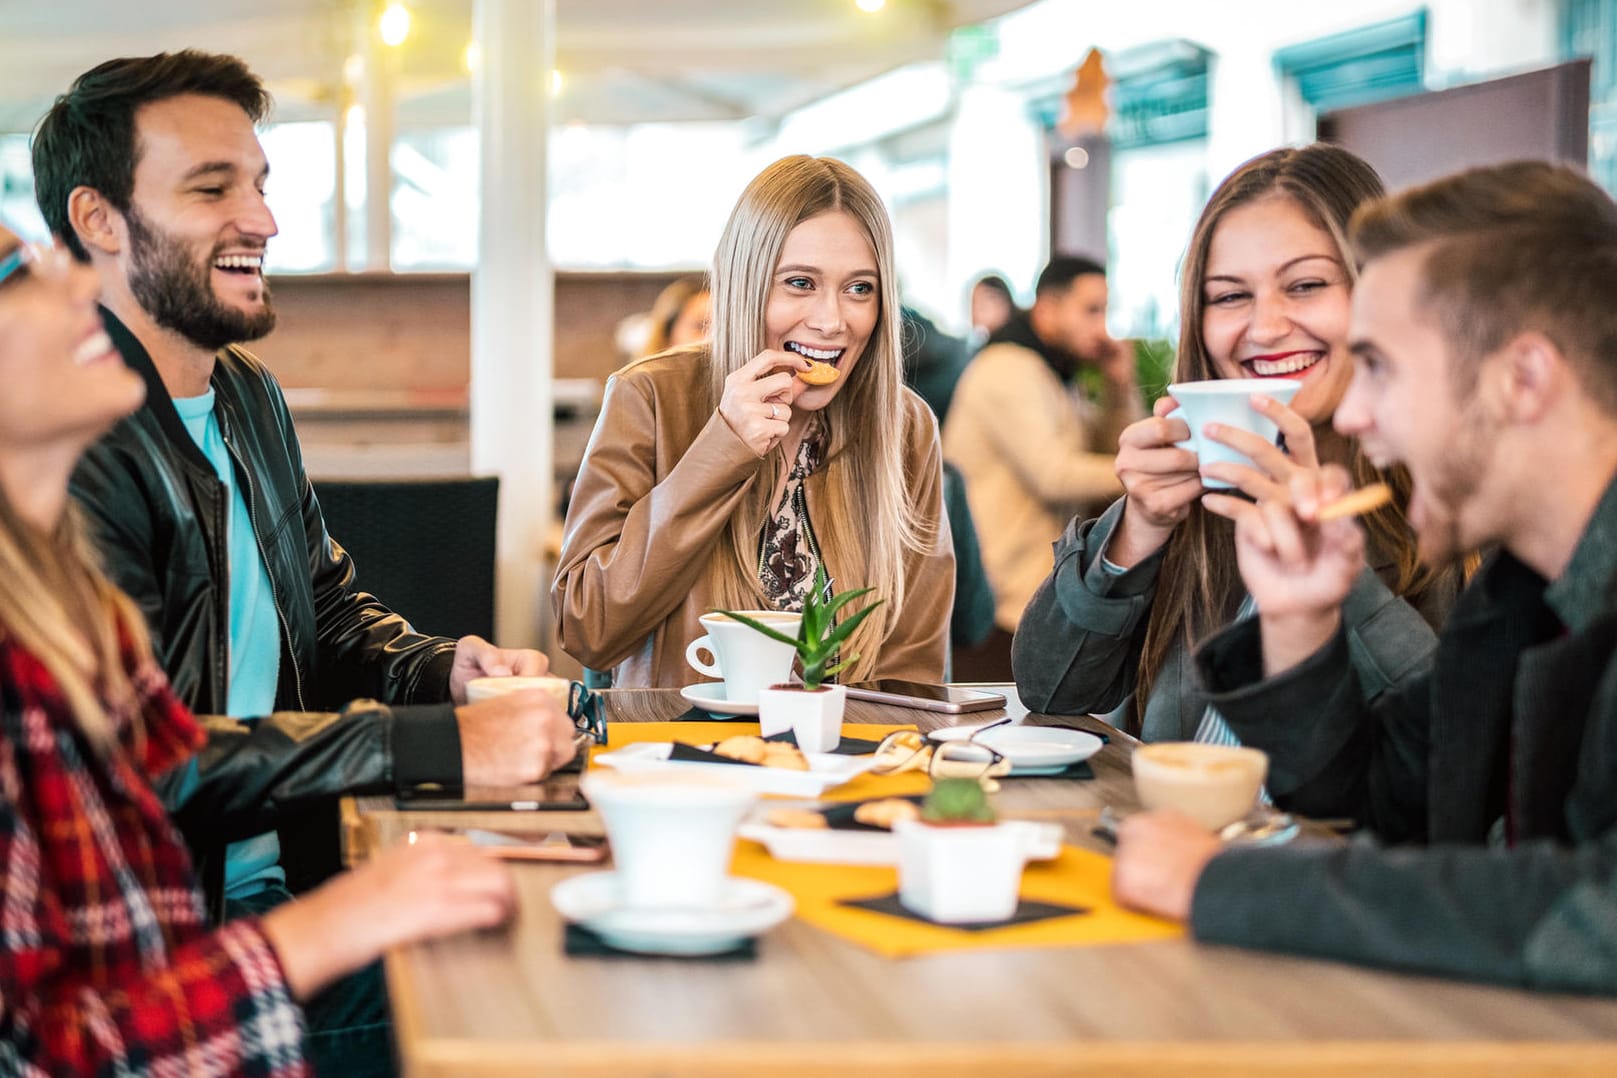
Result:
[[1227, 401]]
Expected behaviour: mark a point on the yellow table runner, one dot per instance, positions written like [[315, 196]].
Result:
[[1076, 878], [619, 734]]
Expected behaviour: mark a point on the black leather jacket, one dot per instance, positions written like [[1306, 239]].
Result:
[[158, 514]]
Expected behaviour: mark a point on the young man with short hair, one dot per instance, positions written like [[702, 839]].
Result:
[[150, 169], [1485, 329]]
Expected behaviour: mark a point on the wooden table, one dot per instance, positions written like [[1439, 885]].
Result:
[[511, 1003]]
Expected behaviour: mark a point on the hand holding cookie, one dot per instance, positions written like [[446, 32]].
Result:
[[757, 400]]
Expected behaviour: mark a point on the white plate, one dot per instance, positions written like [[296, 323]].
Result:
[[1032, 750], [746, 909], [709, 696], [872, 847], [826, 769]]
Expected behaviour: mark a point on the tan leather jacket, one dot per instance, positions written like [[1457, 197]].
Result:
[[657, 486]]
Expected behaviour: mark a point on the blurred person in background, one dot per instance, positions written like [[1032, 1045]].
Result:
[[991, 307], [681, 316], [109, 964], [1033, 428], [718, 478], [1266, 292]]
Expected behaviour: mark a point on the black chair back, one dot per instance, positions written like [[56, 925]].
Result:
[[424, 547]]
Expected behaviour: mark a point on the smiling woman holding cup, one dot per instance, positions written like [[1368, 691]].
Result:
[[1265, 302], [722, 475]]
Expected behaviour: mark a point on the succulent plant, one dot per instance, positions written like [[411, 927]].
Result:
[[957, 801], [820, 634]]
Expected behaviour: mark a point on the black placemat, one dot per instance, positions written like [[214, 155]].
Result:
[[848, 746], [1079, 770], [1027, 912], [580, 942], [696, 714], [691, 754]]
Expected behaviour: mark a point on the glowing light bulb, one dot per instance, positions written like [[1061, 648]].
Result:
[[395, 25], [472, 56], [555, 82], [870, 7]]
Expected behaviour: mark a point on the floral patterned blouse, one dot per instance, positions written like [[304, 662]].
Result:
[[789, 553]]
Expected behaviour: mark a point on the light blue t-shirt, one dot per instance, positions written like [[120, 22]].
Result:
[[255, 639]]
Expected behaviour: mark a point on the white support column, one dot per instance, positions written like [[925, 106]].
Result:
[[378, 95], [512, 301]]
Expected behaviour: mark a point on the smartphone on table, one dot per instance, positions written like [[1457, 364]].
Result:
[[555, 795], [554, 846], [952, 699]]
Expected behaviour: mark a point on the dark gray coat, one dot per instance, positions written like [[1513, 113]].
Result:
[[1494, 777], [1077, 649]]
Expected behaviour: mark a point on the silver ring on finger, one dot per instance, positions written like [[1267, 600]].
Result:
[[774, 411]]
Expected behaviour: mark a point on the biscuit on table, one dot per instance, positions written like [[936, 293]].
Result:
[[797, 818], [784, 756], [748, 748], [886, 812]]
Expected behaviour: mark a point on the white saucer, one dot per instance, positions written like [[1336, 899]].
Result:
[[1032, 750], [825, 770], [747, 908], [709, 696], [830, 846]]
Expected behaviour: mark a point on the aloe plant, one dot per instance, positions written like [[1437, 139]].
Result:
[[820, 634]]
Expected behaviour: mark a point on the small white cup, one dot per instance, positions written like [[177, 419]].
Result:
[[1227, 401], [486, 688], [671, 836], [745, 659], [814, 718], [956, 875], [1215, 785]]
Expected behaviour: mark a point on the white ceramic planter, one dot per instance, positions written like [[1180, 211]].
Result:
[[815, 717], [960, 874]]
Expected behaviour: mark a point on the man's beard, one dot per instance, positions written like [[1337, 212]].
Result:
[[1454, 483], [177, 292]]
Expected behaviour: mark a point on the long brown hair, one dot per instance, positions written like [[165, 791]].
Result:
[[56, 604], [1199, 587], [868, 521]]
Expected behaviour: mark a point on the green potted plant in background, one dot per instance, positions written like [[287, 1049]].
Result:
[[812, 710]]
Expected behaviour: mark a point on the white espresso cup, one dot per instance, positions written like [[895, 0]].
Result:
[[486, 688], [745, 659], [672, 835], [1227, 401], [1215, 785]]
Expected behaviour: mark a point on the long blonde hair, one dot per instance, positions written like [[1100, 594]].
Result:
[[866, 522], [56, 604], [1199, 586]]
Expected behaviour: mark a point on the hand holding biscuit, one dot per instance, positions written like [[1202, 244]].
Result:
[[757, 400]]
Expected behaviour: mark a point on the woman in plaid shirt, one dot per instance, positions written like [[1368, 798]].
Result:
[[107, 964]]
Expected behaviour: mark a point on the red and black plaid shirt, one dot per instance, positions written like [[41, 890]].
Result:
[[107, 963]]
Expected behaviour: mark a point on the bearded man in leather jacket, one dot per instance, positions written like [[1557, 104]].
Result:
[[150, 169]]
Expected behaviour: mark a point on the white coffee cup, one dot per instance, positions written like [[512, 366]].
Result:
[[1227, 401], [672, 835], [745, 659], [1215, 785], [486, 688]]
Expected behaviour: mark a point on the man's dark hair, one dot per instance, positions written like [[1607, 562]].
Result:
[[87, 139], [1062, 271], [1507, 249]]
